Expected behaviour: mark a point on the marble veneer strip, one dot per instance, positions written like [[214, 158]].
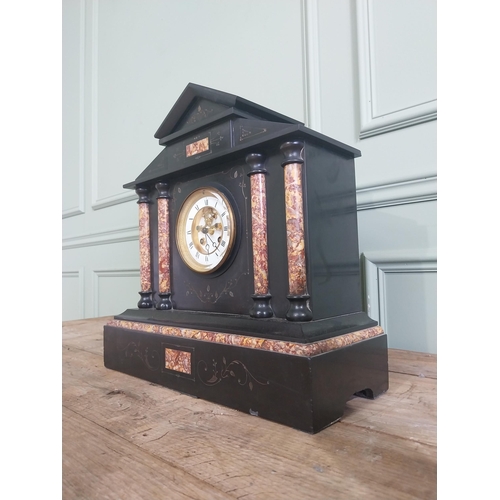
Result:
[[284, 347]]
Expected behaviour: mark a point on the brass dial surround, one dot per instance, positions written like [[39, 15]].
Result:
[[206, 230]]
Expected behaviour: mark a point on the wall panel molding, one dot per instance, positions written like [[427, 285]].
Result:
[[397, 193], [79, 208], [101, 238], [110, 201], [311, 64], [110, 273], [377, 267], [118, 198], [79, 275], [375, 270], [76, 210], [372, 121]]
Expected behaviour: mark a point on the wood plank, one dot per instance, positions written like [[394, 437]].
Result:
[[245, 456], [420, 364], [408, 409], [98, 464], [85, 334], [82, 327]]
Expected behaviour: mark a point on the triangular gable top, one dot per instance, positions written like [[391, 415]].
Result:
[[198, 104]]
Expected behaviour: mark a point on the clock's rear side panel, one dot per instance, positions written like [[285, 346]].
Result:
[[334, 278]]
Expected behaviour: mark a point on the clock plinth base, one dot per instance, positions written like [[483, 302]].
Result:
[[301, 385]]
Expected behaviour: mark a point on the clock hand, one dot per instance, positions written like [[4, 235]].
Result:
[[213, 242]]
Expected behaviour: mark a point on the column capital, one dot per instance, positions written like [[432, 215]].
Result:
[[143, 194], [256, 163], [162, 188], [293, 152]]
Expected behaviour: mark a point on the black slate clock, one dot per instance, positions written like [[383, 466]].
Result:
[[250, 278]]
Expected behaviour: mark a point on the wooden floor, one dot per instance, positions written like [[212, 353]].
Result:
[[125, 438]]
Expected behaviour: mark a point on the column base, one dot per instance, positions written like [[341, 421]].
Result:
[[165, 302], [299, 308], [146, 301], [261, 306]]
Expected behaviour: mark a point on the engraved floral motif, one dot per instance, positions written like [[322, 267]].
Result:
[[150, 358], [235, 370], [199, 114], [212, 296]]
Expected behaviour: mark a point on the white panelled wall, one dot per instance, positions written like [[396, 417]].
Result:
[[361, 72]]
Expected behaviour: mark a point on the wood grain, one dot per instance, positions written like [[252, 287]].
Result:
[[420, 364], [127, 438], [98, 464]]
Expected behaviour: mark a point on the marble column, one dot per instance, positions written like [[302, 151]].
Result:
[[164, 292], [146, 292], [296, 243], [261, 298]]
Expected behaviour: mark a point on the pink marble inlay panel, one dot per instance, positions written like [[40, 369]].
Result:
[[197, 147], [294, 212], [144, 247], [163, 246], [180, 361], [284, 347], [259, 233]]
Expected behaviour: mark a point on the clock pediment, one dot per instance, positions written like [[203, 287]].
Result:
[[199, 105], [205, 125]]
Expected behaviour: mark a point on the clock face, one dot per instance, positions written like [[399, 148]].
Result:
[[206, 230]]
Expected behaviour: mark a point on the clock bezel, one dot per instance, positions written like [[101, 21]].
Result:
[[180, 235]]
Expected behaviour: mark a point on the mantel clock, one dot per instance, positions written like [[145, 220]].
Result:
[[250, 283]]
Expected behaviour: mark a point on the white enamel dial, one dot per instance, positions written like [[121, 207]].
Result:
[[205, 230]]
